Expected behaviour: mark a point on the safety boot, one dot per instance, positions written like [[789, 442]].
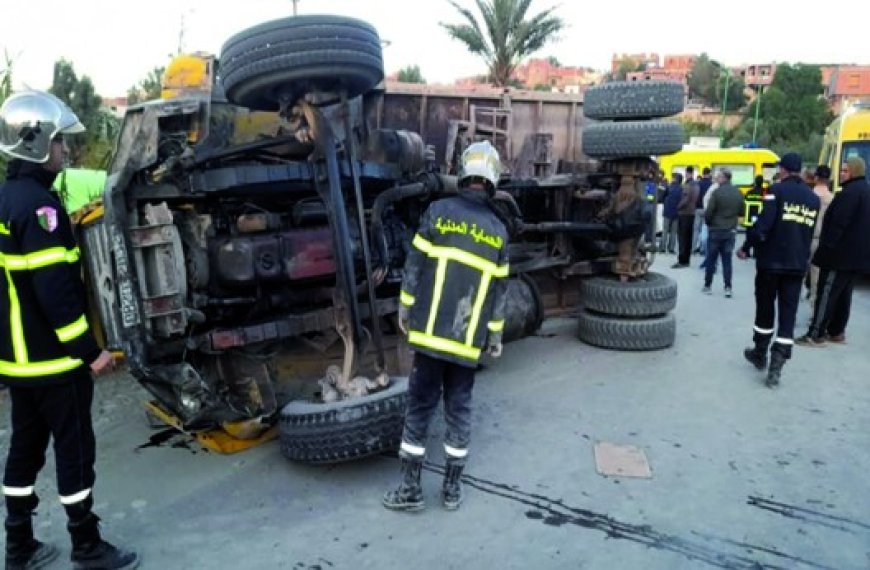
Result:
[[89, 550], [757, 356], [777, 361], [451, 492], [23, 551], [408, 496]]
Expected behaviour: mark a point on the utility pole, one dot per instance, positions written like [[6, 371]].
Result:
[[181, 35], [757, 107], [724, 106], [295, 7]]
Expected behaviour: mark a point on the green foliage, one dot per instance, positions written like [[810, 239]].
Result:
[[504, 35], [87, 150], [553, 61], [697, 129], [625, 67], [542, 87], [148, 88], [411, 74], [736, 93], [703, 77]]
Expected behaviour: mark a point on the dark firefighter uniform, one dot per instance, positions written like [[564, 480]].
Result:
[[45, 341], [781, 236], [455, 282]]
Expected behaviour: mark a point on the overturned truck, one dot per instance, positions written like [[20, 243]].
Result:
[[249, 254]]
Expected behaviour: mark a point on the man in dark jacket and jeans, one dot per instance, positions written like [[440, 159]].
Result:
[[842, 254], [724, 210], [782, 236], [686, 212], [673, 195]]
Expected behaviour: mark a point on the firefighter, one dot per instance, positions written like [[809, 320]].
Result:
[[46, 345], [452, 309], [781, 236]]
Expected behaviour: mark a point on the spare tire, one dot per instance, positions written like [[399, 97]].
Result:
[[342, 431], [289, 57], [632, 139], [648, 296], [633, 100], [627, 334]]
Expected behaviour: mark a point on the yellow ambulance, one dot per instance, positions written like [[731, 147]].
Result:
[[847, 136], [744, 163]]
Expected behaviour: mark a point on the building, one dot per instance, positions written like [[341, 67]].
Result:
[[117, 105], [636, 59], [848, 84], [543, 72], [757, 76], [683, 63]]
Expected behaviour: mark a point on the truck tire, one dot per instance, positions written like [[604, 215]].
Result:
[[651, 295], [633, 100], [293, 56], [632, 139], [344, 430], [627, 334]]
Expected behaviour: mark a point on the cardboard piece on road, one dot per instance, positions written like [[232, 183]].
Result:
[[613, 460]]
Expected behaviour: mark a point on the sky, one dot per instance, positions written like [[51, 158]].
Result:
[[117, 42]]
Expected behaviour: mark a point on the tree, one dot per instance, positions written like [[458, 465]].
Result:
[[736, 93], [411, 74], [148, 88], [506, 35], [625, 67], [703, 78], [88, 150], [552, 60]]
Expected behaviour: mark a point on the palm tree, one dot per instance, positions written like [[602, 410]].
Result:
[[506, 36]]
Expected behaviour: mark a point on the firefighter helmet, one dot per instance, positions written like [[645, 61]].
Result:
[[29, 120], [481, 160]]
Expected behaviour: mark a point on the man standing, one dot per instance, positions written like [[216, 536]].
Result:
[[698, 230], [822, 189], [673, 195], [46, 345], [781, 236], [843, 253], [686, 217], [724, 210], [452, 307]]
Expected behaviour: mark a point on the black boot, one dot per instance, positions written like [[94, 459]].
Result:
[[408, 496], [452, 489], [90, 551], [756, 356], [23, 551], [777, 360]]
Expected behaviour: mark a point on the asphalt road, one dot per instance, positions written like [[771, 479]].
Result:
[[742, 476]]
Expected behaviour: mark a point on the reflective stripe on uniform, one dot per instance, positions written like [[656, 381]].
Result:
[[73, 330], [412, 449], [455, 452], [39, 259], [496, 326], [462, 256], [444, 345], [75, 498], [406, 298], [786, 341], [440, 277], [16, 325], [17, 491], [760, 330], [482, 290], [39, 368]]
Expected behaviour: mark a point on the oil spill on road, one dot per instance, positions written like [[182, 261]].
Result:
[[163, 438], [808, 515], [554, 512]]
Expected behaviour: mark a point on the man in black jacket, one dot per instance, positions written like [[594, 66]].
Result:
[[842, 254], [47, 349], [452, 308], [782, 236]]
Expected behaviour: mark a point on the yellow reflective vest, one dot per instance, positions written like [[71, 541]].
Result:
[[44, 334], [455, 279]]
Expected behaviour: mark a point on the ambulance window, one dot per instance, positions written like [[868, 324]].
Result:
[[681, 169], [768, 170], [741, 174]]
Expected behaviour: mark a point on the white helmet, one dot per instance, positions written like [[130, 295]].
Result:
[[481, 160], [30, 120]]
